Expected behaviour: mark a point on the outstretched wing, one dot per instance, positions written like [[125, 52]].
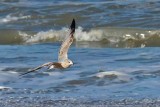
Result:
[[66, 44], [37, 68]]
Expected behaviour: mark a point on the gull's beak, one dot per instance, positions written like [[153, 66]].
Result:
[[71, 63]]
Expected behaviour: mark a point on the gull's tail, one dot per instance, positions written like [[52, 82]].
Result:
[[73, 25]]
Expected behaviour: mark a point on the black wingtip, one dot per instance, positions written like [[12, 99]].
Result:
[[26, 73], [73, 25]]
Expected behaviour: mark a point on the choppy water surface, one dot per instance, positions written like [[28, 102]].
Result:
[[98, 73], [116, 53]]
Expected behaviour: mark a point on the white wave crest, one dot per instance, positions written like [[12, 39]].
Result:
[[10, 18], [7, 76], [92, 35], [114, 35], [103, 74], [3, 87], [120, 76], [59, 35]]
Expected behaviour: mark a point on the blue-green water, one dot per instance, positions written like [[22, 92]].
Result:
[[116, 52]]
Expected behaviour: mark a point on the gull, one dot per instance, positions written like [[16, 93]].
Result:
[[63, 61]]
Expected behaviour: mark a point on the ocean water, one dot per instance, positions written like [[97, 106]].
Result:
[[116, 53]]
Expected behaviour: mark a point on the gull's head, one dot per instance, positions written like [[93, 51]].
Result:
[[68, 62]]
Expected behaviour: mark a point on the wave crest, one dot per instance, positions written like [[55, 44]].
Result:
[[113, 37], [10, 18]]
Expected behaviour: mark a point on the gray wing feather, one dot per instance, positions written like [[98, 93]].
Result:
[[63, 52]]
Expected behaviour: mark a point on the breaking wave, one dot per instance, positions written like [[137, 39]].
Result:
[[106, 36]]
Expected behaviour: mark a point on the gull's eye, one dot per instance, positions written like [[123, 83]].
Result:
[[70, 62]]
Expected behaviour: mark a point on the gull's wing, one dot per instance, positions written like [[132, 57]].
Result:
[[66, 44], [39, 67]]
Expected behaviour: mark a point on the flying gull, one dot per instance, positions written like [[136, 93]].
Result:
[[63, 61]]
